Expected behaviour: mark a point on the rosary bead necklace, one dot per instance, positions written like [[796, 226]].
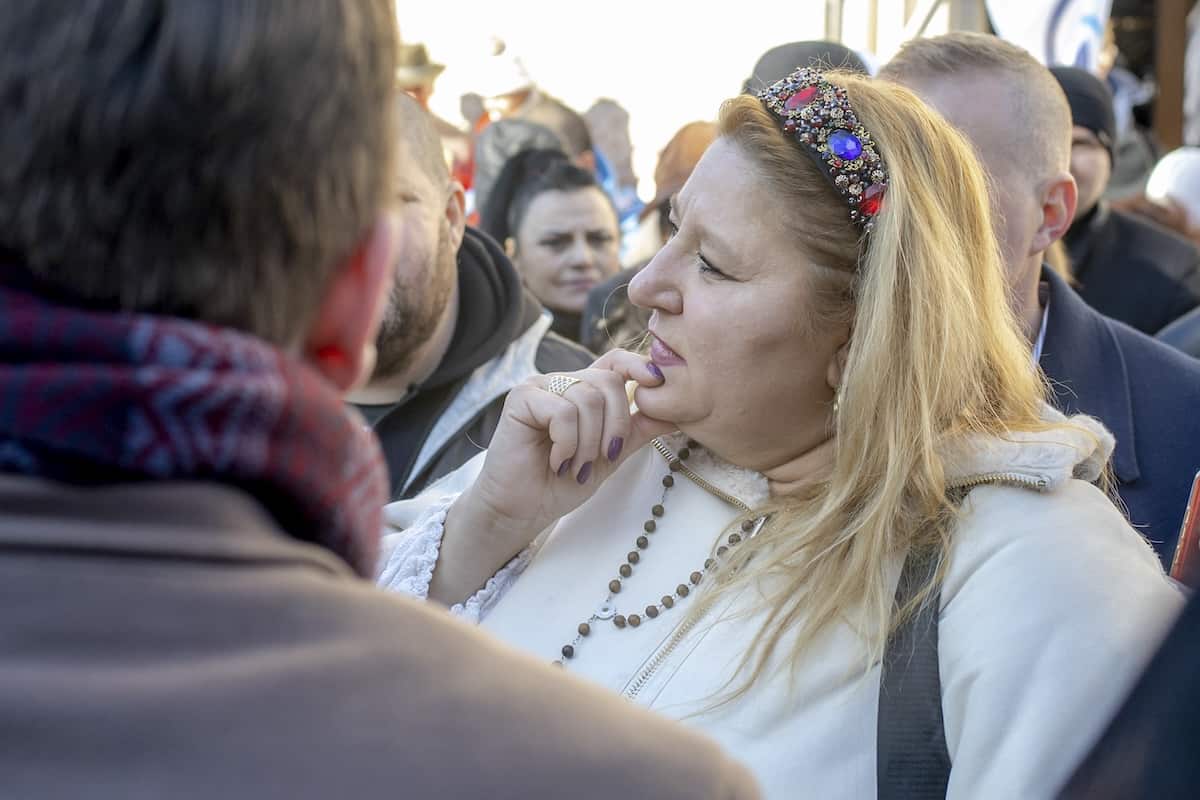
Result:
[[607, 611]]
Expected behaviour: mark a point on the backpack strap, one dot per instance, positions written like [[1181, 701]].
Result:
[[912, 760]]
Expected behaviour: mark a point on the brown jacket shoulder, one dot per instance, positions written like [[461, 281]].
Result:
[[169, 641]]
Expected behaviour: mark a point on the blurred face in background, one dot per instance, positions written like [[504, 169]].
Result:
[[567, 243], [1090, 166]]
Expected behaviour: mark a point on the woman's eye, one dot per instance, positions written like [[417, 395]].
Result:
[[708, 269]]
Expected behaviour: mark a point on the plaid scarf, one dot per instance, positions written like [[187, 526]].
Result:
[[94, 397]]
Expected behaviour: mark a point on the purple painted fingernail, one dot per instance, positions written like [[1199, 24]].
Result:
[[564, 467], [614, 448], [585, 472], [655, 371]]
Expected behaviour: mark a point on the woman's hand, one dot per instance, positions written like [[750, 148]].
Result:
[[549, 454]]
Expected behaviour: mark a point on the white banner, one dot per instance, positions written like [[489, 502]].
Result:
[[1067, 32]]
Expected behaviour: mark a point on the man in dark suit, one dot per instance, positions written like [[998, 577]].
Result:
[[1014, 112], [1146, 393], [1125, 266]]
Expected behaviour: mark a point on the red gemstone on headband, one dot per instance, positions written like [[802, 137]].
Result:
[[872, 199], [800, 98]]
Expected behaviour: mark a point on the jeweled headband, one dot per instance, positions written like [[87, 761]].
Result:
[[819, 115]]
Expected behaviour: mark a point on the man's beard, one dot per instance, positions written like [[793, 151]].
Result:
[[414, 309]]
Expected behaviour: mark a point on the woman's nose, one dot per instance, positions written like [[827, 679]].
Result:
[[580, 255], [654, 286]]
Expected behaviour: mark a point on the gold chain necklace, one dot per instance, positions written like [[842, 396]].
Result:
[[607, 610]]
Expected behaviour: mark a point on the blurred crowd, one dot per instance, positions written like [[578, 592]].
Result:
[[1148, 276]]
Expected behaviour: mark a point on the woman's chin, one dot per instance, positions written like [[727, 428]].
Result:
[[662, 403], [567, 302]]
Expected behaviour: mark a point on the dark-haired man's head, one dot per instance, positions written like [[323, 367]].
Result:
[[430, 207], [224, 161], [781, 60], [1012, 110]]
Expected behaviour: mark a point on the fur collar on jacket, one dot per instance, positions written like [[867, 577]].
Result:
[[1078, 448]]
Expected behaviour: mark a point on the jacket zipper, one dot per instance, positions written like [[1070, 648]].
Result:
[[679, 466], [639, 683], [634, 688], [1003, 478]]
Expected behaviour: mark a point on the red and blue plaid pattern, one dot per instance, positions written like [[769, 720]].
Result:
[[92, 397]]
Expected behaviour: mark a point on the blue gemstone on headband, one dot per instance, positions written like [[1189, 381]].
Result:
[[845, 145]]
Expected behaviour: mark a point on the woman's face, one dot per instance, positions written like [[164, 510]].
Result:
[[747, 373], [567, 243]]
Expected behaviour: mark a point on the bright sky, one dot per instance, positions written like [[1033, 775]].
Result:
[[667, 62]]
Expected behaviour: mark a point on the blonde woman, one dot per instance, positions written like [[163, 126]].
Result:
[[841, 458]]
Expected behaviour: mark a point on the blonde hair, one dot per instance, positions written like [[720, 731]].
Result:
[[935, 352], [1059, 260]]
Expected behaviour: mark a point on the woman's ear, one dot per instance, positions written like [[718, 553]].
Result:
[[837, 366]]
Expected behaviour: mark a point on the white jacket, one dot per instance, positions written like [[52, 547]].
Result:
[[1051, 606]]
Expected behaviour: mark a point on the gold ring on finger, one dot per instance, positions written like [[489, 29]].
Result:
[[560, 383]]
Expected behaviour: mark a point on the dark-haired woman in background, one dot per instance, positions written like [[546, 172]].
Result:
[[559, 228]]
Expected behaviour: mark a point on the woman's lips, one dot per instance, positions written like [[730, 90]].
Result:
[[662, 355]]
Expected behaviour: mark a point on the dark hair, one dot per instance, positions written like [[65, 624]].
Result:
[[214, 160], [525, 176], [822, 55]]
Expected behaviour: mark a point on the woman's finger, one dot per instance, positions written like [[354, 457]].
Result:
[[557, 416], [631, 367], [616, 412], [589, 402]]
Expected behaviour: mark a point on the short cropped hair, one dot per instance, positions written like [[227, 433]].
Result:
[[419, 139], [209, 159], [1041, 116]]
